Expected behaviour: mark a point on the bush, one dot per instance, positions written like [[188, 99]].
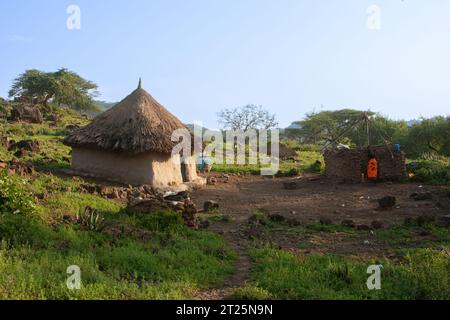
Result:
[[428, 171], [13, 199]]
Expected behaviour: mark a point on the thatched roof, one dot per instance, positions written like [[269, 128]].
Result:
[[135, 125]]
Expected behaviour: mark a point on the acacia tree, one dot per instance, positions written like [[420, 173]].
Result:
[[347, 126], [246, 118], [62, 87]]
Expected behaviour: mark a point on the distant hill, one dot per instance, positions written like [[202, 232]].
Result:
[[105, 105]]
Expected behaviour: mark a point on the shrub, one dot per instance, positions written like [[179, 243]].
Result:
[[433, 172], [13, 199]]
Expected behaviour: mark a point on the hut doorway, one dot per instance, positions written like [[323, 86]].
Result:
[[184, 172]]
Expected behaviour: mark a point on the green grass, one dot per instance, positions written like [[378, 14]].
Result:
[[130, 257], [169, 263], [414, 236], [423, 274], [305, 163]]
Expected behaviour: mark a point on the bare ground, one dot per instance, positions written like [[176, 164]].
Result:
[[316, 198]]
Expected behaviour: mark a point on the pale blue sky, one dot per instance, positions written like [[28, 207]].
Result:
[[199, 56]]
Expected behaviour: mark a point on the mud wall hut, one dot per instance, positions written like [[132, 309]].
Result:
[[348, 165], [131, 144]]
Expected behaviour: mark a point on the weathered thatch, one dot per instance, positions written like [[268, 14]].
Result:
[[347, 165], [136, 125]]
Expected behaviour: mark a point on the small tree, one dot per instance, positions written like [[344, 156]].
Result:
[[63, 87], [246, 118]]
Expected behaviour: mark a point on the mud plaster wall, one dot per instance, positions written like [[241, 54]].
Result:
[[348, 165], [153, 169]]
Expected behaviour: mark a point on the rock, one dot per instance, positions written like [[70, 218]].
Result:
[[26, 114], [189, 214], [256, 220], [276, 218], [425, 219], [387, 203], [210, 205], [443, 222], [178, 206], [348, 223], [325, 220], [422, 196], [19, 168], [377, 225], [26, 145], [53, 118], [180, 196], [113, 194], [204, 224], [2, 165], [294, 172], [291, 185], [212, 181], [21, 153], [425, 233], [363, 227], [146, 206]]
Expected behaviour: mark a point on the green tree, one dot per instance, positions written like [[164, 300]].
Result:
[[430, 135], [62, 87], [349, 127]]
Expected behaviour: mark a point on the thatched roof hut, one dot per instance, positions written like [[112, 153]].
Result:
[[131, 143]]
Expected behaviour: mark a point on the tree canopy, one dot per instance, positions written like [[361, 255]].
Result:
[[62, 87], [347, 126], [430, 135], [246, 118]]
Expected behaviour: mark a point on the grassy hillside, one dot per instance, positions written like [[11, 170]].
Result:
[[129, 257]]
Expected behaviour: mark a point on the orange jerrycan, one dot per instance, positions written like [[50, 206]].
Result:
[[372, 169]]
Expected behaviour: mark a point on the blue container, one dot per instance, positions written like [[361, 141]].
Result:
[[397, 147]]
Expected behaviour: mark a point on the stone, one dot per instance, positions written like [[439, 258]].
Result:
[[377, 225], [348, 223], [276, 218], [387, 203], [443, 222], [425, 219], [146, 206], [26, 114], [210, 205], [21, 153], [422, 196], [26, 145], [211, 181], [291, 185], [204, 224], [363, 227], [180, 196], [325, 220], [53, 118], [189, 214]]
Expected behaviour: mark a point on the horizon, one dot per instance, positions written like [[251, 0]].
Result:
[[253, 52]]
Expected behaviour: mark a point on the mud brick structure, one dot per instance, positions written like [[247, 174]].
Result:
[[348, 166]]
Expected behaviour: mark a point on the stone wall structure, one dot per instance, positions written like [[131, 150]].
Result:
[[348, 165]]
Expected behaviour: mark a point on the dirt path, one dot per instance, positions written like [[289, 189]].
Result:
[[231, 232]]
